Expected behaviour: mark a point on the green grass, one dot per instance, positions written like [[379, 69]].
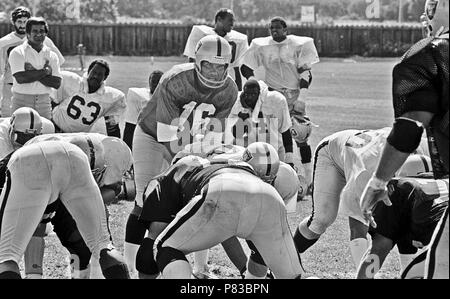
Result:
[[345, 94]]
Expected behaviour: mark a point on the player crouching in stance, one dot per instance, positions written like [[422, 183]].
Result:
[[197, 204], [33, 181], [111, 161]]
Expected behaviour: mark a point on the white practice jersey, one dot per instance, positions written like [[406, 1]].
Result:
[[266, 122], [356, 154], [237, 41], [9, 42], [136, 100], [281, 60], [117, 155], [78, 110]]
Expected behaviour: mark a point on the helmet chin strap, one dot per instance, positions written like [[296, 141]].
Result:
[[211, 83]]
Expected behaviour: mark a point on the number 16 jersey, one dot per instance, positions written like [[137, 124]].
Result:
[[78, 110]]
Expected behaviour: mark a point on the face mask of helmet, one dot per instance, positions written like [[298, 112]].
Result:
[[98, 174], [216, 51]]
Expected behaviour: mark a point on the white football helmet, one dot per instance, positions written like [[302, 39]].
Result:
[[435, 17], [47, 126], [214, 49], [95, 152], [287, 183], [25, 123], [118, 159], [301, 129], [415, 165], [264, 159]]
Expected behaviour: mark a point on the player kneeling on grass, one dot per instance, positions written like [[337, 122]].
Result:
[[212, 203], [109, 166], [35, 177]]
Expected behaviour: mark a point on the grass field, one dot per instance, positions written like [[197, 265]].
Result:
[[346, 93]]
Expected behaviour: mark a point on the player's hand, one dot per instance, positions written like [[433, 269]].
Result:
[[374, 192], [28, 66]]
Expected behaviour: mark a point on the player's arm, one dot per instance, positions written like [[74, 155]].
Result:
[[237, 76], [24, 72], [54, 79], [112, 126]]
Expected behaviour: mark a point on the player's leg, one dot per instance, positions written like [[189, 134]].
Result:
[[328, 183], [83, 200], [34, 254], [256, 267], [66, 229], [150, 158], [22, 210], [358, 239], [374, 258], [272, 237], [437, 263], [236, 254]]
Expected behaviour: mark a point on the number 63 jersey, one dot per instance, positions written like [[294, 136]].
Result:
[[78, 110]]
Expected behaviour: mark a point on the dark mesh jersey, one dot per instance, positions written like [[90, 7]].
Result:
[[167, 194], [420, 83]]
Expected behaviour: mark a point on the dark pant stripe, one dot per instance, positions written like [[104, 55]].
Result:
[[5, 199], [434, 245]]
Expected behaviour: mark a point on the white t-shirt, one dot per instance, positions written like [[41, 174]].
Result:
[[8, 43], [25, 53]]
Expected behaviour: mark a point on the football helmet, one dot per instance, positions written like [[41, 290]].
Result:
[[118, 158], [435, 16], [25, 123], [287, 183], [415, 165], [47, 126], [95, 152], [264, 160], [213, 49], [301, 128]]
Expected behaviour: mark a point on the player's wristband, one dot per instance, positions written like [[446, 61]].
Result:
[[376, 183]]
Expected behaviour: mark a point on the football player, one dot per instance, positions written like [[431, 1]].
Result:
[[191, 100], [81, 101], [136, 100], [418, 203], [213, 202], [343, 163], [287, 61], [223, 26], [111, 165], [261, 115], [33, 179], [24, 124], [420, 100], [19, 17]]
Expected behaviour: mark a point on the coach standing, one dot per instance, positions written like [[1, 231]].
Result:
[[35, 69]]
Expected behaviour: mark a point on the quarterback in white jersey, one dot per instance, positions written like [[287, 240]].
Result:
[[343, 163], [109, 168], [81, 101], [19, 17], [224, 21]]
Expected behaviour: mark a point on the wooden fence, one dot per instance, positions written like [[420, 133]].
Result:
[[169, 39]]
